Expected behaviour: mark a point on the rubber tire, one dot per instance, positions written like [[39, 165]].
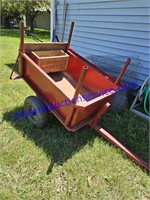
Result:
[[36, 116], [119, 102]]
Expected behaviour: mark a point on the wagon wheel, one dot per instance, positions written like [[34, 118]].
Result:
[[119, 102], [35, 111]]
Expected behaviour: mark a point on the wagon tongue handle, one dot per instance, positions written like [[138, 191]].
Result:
[[77, 91], [115, 142]]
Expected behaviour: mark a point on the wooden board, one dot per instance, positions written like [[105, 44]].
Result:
[[50, 61], [28, 47]]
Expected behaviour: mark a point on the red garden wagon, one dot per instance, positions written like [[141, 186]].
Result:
[[57, 74]]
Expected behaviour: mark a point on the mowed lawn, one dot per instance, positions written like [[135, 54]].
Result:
[[53, 164]]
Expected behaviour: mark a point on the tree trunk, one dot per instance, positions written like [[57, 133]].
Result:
[[32, 20]]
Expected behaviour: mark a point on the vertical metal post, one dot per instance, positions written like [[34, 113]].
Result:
[[21, 36], [53, 21], [64, 20]]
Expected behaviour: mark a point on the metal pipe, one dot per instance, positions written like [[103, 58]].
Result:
[[53, 21], [123, 70], [64, 20], [77, 91], [21, 36]]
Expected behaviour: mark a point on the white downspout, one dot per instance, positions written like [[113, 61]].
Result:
[[53, 26]]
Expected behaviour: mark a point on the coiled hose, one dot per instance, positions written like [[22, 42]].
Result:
[[144, 94]]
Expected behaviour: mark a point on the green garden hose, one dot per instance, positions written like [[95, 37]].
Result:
[[146, 95]]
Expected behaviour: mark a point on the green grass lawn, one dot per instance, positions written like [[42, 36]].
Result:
[[51, 163]]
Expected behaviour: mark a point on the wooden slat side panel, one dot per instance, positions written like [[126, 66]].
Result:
[[44, 46]]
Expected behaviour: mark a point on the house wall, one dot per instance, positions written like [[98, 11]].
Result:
[[107, 32]]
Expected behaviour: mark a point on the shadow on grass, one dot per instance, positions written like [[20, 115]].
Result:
[[11, 65], [58, 144]]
